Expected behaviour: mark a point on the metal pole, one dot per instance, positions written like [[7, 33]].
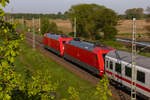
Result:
[[39, 25], [133, 83], [75, 31], [33, 34]]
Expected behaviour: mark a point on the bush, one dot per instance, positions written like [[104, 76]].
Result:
[[71, 34], [102, 89], [109, 32], [98, 36], [53, 27], [47, 26]]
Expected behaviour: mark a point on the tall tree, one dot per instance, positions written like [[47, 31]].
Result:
[[92, 19], [134, 13]]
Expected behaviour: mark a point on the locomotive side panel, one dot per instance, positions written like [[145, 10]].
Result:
[[87, 57], [45, 41], [70, 51], [53, 45], [81, 57]]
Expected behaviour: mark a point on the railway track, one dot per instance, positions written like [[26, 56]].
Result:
[[117, 92], [141, 46]]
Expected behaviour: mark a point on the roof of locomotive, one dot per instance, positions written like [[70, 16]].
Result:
[[86, 45], [141, 61], [55, 36], [82, 44]]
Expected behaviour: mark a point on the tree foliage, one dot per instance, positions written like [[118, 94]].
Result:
[[9, 48], [74, 94], [107, 30], [40, 88], [92, 18], [102, 89], [134, 13], [47, 26], [29, 16]]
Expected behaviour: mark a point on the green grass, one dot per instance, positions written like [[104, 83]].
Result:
[[113, 44], [38, 61]]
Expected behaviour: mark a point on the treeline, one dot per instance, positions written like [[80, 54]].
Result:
[[138, 13], [29, 16]]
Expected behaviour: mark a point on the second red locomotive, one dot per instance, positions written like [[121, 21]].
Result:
[[86, 55]]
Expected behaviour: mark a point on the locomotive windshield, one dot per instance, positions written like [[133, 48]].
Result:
[[64, 42], [104, 57]]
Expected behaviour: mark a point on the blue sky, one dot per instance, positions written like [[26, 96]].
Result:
[[55, 6]]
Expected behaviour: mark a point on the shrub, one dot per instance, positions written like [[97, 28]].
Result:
[[109, 32], [102, 89], [47, 26]]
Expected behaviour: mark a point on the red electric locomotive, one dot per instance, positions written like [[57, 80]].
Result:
[[86, 55], [55, 42]]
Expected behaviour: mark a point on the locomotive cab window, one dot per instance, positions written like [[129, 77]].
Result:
[[141, 76], [118, 68], [128, 71], [104, 57], [111, 65], [107, 63], [64, 42]]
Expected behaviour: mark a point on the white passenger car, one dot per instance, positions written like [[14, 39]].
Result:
[[118, 68]]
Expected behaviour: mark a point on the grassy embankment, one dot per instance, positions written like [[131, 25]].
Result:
[[34, 60]]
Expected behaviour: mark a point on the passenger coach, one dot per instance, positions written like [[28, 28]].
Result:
[[118, 68], [55, 42]]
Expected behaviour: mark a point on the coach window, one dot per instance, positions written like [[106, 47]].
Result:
[[141, 76], [106, 62], [111, 65], [118, 68], [128, 71]]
